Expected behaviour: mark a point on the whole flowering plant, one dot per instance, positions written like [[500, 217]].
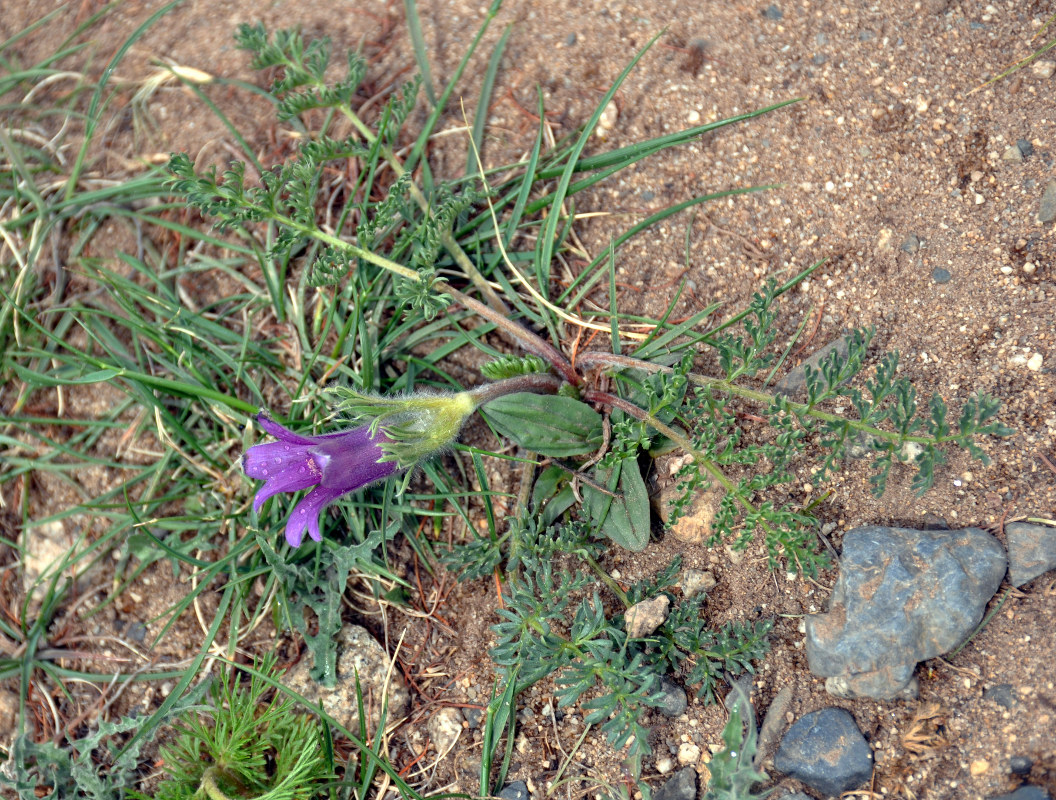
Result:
[[395, 435]]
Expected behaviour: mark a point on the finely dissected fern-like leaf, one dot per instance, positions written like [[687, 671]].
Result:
[[96, 768], [246, 743], [303, 67]]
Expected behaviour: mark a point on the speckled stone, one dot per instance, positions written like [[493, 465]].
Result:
[[794, 384], [826, 751], [902, 596], [1025, 792], [358, 653], [680, 786], [1031, 551]]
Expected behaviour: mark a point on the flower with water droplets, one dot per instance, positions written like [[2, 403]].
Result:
[[401, 433]]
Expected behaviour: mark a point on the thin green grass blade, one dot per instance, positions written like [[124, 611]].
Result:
[[480, 118], [589, 280], [421, 54], [151, 723], [614, 316], [440, 106], [662, 324], [549, 233], [94, 107]]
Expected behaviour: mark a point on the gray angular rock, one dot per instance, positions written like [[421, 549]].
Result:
[[940, 275], [518, 790], [445, 726], [794, 384], [1020, 765], [675, 700], [796, 796], [1004, 694], [1031, 551], [681, 786], [358, 653], [1047, 206], [645, 617], [1026, 792], [902, 596], [826, 751], [695, 581]]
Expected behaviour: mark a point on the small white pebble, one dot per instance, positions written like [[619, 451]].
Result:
[[1034, 362], [1043, 69], [693, 117], [607, 120], [1029, 267], [688, 753], [830, 186], [979, 199], [1006, 270]]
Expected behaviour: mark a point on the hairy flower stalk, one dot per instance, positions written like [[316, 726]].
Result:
[[393, 435]]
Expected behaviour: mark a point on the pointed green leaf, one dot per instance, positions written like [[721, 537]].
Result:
[[624, 518], [550, 425]]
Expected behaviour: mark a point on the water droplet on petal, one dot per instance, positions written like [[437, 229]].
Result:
[[277, 460], [286, 447], [263, 470]]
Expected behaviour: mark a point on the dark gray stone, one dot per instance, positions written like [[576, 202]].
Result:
[[675, 701], [940, 275], [911, 243], [902, 596], [826, 751], [473, 716], [137, 632], [518, 790], [794, 384], [1026, 149], [1047, 208], [1003, 694], [1031, 551], [933, 522], [680, 786], [773, 12], [796, 796], [1020, 765], [1024, 793]]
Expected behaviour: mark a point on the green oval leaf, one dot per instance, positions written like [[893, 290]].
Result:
[[624, 518], [550, 425]]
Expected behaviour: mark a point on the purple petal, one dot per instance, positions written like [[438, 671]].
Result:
[[305, 515], [264, 461], [281, 433], [352, 460], [280, 485]]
